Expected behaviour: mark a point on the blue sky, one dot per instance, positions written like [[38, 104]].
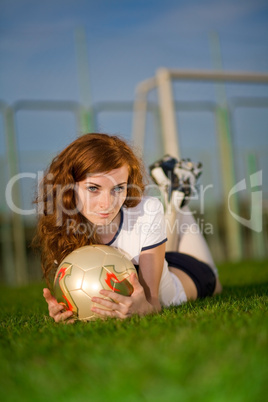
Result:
[[127, 41]]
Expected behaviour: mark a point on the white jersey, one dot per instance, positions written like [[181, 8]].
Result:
[[141, 228]]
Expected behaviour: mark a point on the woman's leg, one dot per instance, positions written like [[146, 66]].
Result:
[[187, 283], [183, 232], [190, 241]]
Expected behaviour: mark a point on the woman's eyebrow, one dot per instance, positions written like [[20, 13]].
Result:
[[98, 185], [92, 183], [120, 184]]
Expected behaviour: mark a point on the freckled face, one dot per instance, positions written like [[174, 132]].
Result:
[[102, 195]]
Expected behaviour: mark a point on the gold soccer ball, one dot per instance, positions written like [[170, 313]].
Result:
[[86, 271]]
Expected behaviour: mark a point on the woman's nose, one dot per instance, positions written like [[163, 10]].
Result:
[[105, 200]]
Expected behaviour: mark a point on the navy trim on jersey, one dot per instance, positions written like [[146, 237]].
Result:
[[119, 228], [154, 245]]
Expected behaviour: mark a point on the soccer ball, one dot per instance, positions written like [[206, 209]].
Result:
[[87, 270]]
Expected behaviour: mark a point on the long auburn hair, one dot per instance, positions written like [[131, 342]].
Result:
[[90, 153]]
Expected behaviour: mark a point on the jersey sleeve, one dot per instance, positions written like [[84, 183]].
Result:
[[154, 228]]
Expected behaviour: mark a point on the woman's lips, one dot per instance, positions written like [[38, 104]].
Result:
[[104, 215]]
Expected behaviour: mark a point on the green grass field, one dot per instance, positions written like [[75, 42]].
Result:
[[213, 349]]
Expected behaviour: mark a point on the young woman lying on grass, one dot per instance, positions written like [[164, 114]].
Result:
[[97, 183]]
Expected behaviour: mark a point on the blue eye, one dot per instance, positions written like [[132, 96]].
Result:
[[119, 189], [92, 189]]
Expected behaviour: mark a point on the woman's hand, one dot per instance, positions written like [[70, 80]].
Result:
[[124, 306], [56, 310]]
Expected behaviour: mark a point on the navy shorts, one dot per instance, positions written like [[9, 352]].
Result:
[[200, 272]]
